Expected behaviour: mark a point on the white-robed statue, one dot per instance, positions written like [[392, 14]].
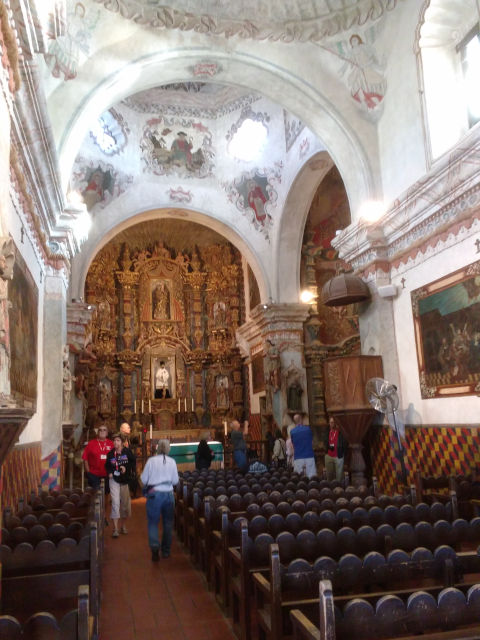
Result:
[[162, 378]]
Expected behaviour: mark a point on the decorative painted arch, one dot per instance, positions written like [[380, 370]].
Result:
[[297, 206], [105, 231], [240, 69]]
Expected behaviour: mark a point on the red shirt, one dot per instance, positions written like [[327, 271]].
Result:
[[95, 453], [333, 441]]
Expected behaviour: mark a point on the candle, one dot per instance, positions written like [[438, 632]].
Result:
[[151, 431], [149, 406], [179, 405], [225, 426], [192, 405], [185, 405], [142, 405], [134, 406]]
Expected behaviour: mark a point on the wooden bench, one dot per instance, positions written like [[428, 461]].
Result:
[[47, 577], [296, 585], [77, 624], [452, 615]]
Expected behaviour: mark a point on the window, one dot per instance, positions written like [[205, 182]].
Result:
[[469, 50]]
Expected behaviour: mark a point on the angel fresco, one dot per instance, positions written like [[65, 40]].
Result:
[[365, 74], [64, 52], [98, 182]]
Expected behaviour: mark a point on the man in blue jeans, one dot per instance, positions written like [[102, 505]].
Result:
[[302, 440], [159, 477]]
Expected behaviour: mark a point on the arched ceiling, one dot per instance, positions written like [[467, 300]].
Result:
[[295, 20]]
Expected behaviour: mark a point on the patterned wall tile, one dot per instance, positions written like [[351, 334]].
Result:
[[52, 470], [21, 474], [433, 450]]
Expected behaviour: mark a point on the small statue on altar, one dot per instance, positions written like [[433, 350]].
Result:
[[160, 302], [162, 378], [105, 396]]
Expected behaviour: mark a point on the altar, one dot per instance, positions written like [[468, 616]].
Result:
[[184, 452]]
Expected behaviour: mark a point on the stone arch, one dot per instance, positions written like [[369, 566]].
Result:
[[103, 233], [297, 206]]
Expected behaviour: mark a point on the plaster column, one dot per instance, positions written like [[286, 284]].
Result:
[[279, 329], [55, 329], [377, 332]]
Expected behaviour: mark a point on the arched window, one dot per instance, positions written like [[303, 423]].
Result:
[[449, 57]]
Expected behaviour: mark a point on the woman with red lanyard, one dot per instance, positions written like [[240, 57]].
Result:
[[119, 464]]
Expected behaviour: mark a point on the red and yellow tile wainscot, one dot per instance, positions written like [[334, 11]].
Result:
[[434, 450], [21, 474]]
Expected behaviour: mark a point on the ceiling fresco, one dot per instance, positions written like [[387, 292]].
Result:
[[293, 21]]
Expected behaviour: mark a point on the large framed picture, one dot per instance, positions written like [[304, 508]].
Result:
[[23, 321], [446, 315]]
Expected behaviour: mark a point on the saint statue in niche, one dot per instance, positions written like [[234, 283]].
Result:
[[222, 392], [105, 395], [161, 302], [219, 314], [162, 379]]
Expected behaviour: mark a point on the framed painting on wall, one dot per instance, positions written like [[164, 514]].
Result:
[[446, 316], [23, 320]]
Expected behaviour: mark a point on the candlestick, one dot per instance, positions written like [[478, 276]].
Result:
[[149, 406]]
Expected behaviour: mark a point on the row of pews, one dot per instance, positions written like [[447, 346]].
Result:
[[266, 542], [51, 555]]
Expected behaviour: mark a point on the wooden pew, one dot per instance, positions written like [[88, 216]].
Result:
[[47, 577], [74, 625], [452, 615], [296, 586]]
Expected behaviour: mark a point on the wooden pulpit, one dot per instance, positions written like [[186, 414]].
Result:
[[346, 400]]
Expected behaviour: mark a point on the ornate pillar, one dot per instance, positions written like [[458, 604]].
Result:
[[196, 279], [278, 328], [128, 281]]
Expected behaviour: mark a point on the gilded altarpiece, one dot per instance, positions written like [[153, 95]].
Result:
[[164, 334]]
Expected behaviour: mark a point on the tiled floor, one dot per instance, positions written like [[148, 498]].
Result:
[[143, 600]]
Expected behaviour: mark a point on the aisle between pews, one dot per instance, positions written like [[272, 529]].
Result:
[[142, 600]]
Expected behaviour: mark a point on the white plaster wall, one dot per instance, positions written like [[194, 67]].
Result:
[[400, 130], [438, 263]]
